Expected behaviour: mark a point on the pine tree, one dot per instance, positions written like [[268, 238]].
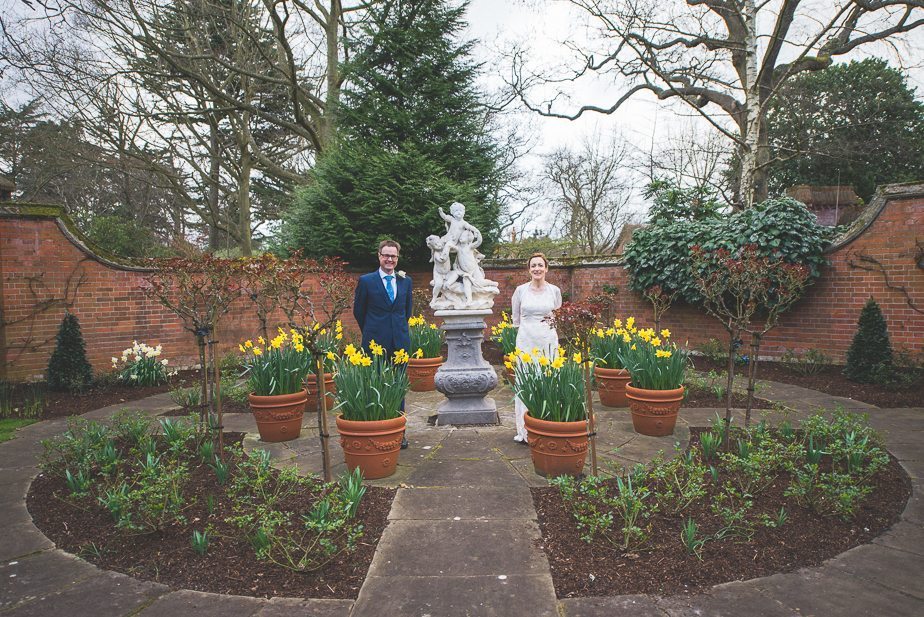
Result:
[[869, 359], [68, 368], [411, 138]]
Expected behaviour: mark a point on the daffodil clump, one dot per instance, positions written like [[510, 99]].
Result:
[[141, 365], [505, 334], [608, 345], [278, 366], [426, 338], [329, 343], [653, 360], [551, 388], [371, 387]]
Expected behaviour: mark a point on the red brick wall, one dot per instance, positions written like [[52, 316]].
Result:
[[43, 269]]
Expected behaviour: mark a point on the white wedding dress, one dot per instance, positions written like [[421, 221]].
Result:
[[530, 307]]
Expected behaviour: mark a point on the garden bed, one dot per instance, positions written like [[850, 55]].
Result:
[[230, 565], [830, 380], [664, 565]]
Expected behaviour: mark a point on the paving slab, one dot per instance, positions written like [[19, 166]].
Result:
[[453, 596], [295, 607], [634, 605], [27, 578], [15, 476], [914, 509], [186, 602], [904, 536], [466, 503], [464, 472], [823, 591], [459, 548], [105, 595], [730, 600], [898, 570], [22, 539]]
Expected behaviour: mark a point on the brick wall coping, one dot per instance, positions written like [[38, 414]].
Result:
[[70, 231], [873, 209]]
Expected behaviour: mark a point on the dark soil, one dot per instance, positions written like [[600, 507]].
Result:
[[831, 380], [230, 566], [99, 394], [665, 567], [697, 398]]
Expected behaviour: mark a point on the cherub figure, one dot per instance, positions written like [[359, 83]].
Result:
[[443, 274]]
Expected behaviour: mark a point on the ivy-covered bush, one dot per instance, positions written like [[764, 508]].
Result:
[[869, 359], [68, 367], [659, 254]]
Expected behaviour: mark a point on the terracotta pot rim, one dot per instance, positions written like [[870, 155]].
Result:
[[604, 371], [664, 393], [540, 422], [437, 360], [348, 423], [292, 395]]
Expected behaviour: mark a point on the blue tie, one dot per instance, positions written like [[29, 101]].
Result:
[[389, 288]]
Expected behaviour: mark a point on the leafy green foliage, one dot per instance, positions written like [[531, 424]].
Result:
[[857, 124], [659, 254], [68, 367], [411, 139], [869, 359]]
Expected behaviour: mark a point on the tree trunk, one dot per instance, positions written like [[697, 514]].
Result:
[[729, 383], [214, 171], [752, 109], [243, 191], [752, 376], [328, 123]]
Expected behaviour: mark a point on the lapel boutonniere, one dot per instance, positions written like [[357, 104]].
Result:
[[401, 274]]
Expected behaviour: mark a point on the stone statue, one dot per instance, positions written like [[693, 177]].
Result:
[[459, 285]]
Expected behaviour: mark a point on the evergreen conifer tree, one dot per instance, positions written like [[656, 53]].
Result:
[[869, 359], [68, 368], [411, 138]]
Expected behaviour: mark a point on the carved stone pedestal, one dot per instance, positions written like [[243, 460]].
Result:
[[465, 378]]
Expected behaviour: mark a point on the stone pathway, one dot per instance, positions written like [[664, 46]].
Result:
[[462, 533]]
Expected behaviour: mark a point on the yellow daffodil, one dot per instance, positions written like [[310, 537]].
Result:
[[600, 333], [544, 361], [261, 340], [419, 353], [617, 323], [376, 349], [665, 333], [662, 353], [656, 342], [366, 361], [433, 326], [558, 362], [241, 347], [611, 332], [577, 357], [630, 322], [350, 350], [508, 365], [331, 356], [299, 347], [561, 351], [525, 357], [248, 344], [257, 351]]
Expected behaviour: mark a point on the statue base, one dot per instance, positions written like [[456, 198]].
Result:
[[466, 377]]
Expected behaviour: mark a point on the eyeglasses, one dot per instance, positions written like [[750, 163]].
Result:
[[391, 257]]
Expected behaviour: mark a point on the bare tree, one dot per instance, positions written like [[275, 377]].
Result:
[[732, 56], [593, 191]]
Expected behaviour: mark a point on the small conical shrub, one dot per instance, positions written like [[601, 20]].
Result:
[[68, 368], [869, 359]]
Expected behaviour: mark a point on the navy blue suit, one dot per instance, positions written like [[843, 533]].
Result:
[[380, 319]]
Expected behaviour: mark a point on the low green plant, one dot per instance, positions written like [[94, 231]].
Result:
[[371, 387], [869, 359], [714, 349], [68, 367], [188, 398], [221, 470], [353, 489], [426, 338], [200, 541], [77, 483], [21, 402], [140, 365], [807, 363], [709, 442], [551, 388], [689, 535]]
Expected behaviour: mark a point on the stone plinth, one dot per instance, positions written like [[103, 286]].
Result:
[[466, 377]]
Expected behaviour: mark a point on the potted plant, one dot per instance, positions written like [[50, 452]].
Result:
[[556, 420], [505, 335], [370, 422], [329, 344], [610, 374], [275, 372], [655, 391], [427, 343]]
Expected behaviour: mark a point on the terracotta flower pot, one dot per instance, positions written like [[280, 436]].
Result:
[[611, 384], [421, 371], [279, 416], [654, 412], [372, 446], [330, 391], [557, 448]]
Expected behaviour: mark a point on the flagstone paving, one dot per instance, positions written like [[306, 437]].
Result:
[[462, 534]]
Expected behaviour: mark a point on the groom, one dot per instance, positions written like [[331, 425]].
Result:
[[383, 303]]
